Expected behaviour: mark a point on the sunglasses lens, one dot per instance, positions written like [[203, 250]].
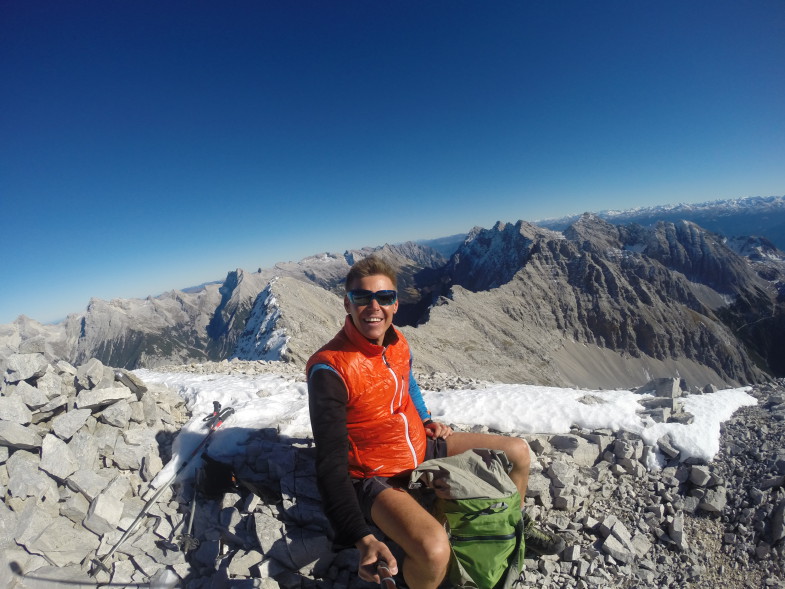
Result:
[[361, 297], [386, 297], [364, 297]]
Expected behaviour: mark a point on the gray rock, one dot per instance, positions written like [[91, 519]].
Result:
[[74, 507], [88, 483], [51, 385], [662, 387], [245, 563], [105, 437], [8, 526], [67, 424], [60, 542], [777, 529], [31, 396], [582, 451], [25, 366], [268, 531], [714, 501], [90, 374], [665, 445], [307, 546], [617, 550], [53, 404], [133, 382], [84, 447], [64, 368], [658, 414], [97, 398], [18, 436], [700, 475], [539, 488], [151, 465], [561, 473], [539, 444], [676, 531], [572, 553], [117, 415], [623, 449], [640, 545], [104, 514], [57, 459], [13, 409]]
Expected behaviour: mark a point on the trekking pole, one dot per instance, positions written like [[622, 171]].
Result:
[[16, 569], [213, 422], [386, 580], [186, 540]]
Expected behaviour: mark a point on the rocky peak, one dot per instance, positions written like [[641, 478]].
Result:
[[592, 232], [700, 255], [491, 257], [289, 321]]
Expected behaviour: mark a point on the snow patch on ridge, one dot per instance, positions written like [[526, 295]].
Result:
[[263, 338]]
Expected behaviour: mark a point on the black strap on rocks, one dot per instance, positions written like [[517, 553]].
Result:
[[213, 422]]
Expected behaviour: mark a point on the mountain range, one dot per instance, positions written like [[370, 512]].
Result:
[[600, 300]]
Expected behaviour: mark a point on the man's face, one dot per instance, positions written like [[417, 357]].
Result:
[[372, 320]]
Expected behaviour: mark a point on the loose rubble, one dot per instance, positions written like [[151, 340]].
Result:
[[80, 445]]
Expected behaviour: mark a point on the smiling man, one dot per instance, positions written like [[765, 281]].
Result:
[[372, 428]]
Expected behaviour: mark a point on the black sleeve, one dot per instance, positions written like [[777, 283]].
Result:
[[327, 405]]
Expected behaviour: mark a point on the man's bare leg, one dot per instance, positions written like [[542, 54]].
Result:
[[417, 532], [516, 449]]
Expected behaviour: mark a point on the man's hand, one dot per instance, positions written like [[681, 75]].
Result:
[[371, 552], [434, 429]]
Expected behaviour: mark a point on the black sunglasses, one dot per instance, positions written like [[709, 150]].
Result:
[[363, 297]]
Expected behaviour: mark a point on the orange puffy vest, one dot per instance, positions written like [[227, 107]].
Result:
[[386, 434]]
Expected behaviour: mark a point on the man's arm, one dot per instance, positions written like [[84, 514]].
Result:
[[416, 394], [327, 404], [433, 429]]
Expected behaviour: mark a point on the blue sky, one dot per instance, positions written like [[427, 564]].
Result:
[[150, 145]]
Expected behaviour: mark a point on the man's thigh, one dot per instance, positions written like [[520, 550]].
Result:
[[459, 442], [405, 521]]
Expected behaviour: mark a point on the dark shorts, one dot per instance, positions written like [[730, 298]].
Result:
[[368, 489]]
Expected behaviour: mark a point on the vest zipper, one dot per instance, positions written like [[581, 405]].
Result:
[[399, 393]]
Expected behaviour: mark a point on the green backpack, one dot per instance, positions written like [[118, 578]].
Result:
[[480, 508]]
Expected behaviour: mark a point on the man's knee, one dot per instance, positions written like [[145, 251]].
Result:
[[433, 552], [518, 453]]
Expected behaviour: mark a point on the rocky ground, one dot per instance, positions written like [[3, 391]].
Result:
[[80, 445]]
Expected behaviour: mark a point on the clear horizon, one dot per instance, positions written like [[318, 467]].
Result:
[[149, 147]]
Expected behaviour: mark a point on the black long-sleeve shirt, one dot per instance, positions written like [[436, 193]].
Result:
[[327, 397]]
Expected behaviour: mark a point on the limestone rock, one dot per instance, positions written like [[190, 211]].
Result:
[[14, 435], [25, 367], [67, 424], [97, 398], [57, 458]]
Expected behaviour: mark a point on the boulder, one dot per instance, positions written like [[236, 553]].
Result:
[[18, 436], [25, 367]]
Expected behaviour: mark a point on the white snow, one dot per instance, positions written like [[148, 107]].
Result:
[[281, 403]]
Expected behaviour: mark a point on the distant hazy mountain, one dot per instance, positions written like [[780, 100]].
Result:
[[751, 216], [594, 303]]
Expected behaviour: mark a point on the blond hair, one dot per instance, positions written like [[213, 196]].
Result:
[[371, 266]]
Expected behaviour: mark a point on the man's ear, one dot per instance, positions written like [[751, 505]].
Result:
[[346, 303]]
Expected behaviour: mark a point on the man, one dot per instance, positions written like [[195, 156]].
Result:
[[372, 428]]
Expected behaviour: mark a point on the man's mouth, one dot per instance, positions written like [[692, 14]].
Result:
[[372, 320]]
